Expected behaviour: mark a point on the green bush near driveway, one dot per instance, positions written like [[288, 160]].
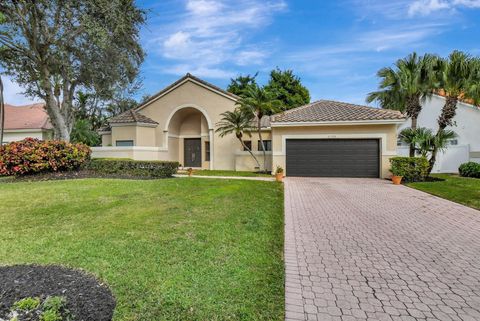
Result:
[[470, 169], [170, 249], [413, 169], [463, 190], [132, 168]]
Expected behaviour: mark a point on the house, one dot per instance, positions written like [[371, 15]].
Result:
[[464, 148], [26, 121], [324, 138]]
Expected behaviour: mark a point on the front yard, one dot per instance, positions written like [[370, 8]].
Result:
[[173, 249], [458, 189]]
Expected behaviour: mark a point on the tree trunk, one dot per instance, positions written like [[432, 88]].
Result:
[[445, 119], [249, 150], [2, 113], [413, 110], [259, 124], [59, 112]]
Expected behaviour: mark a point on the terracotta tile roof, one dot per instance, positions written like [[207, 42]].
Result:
[[131, 116], [187, 76], [32, 116], [326, 110]]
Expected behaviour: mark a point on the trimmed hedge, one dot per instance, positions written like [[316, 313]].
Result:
[[32, 155], [132, 168], [470, 169], [413, 169]]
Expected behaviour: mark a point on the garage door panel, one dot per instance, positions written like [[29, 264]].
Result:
[[333, 157]]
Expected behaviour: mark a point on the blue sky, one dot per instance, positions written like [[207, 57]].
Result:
[[335, 47]]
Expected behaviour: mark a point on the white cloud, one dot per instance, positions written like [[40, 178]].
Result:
[[210, 33], [12, 93], [426, 7]]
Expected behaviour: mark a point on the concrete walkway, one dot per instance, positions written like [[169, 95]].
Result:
[[267, 179], [358, 249]]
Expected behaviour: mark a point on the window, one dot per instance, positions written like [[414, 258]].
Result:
[[247, 143], [267, 144], [453, 142], [401, 143], [122, 143], [207, 151]]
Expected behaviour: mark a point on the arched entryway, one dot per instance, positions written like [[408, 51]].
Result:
[[190, 135]]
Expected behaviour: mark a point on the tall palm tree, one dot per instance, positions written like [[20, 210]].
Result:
[[458, 77], [258, 102], [238, 123], [405, 86], [2, 113]]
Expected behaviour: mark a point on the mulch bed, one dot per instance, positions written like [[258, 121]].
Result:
[[51, 176], [87, 299]]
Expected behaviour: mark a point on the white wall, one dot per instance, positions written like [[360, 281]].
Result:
[[466, 126]]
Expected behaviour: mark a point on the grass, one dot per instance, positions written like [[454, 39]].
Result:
[[171, 249], [458, 189], [206, 172]]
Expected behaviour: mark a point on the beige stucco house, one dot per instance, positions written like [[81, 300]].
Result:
[[324, 138], [27, 121]]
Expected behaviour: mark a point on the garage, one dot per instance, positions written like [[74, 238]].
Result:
[[333, 157]]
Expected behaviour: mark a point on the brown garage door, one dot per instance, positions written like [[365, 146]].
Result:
[[333, 157]]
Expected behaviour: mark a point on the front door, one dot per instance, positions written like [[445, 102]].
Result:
[[192, 148]]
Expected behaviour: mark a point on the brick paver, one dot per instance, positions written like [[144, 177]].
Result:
[[358, 249]]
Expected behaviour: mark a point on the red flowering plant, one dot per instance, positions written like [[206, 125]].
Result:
[[34, 156]]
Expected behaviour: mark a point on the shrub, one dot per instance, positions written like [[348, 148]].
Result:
[[413, 169], [133, 168], [470, 169], [31, 156]]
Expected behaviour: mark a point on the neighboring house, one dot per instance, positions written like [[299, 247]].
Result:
[[26, 121], [324, 138], [466, 147]]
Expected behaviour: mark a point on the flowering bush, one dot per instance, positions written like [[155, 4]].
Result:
[[34, 156]]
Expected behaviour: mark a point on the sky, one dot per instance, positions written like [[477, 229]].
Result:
[[335, 47]]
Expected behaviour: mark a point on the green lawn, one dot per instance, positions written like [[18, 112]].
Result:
[[462, 190], [172, 249], [206, 172]]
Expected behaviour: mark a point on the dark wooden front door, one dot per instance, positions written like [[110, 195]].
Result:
[[192, 148]]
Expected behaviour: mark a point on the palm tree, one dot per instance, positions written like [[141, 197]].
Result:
[[425, 141], [458, 77], [238, 123], [258, 102], [405, 86], [2, 113]]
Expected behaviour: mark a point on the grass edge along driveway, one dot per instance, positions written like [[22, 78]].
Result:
[[171, 249], [463, 190]]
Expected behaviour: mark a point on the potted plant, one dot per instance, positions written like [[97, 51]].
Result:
[[190, 171], [279, 174], [397, 172]]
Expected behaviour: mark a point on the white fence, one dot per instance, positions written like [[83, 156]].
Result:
[[448, 161]]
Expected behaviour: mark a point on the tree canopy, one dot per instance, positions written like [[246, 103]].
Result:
[[283, 85], [54, 48], [241, 84], [287, 88]]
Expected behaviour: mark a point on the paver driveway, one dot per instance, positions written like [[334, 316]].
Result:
[[364, 248]]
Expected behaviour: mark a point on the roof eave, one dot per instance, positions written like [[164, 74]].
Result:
[[338, 123], [122, 124]]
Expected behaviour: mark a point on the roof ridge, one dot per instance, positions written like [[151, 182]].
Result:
[[134, 116]]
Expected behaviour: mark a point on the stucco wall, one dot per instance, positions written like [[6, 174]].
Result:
[[386, 133], [124, 133], [107, 140], [16, 135]]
